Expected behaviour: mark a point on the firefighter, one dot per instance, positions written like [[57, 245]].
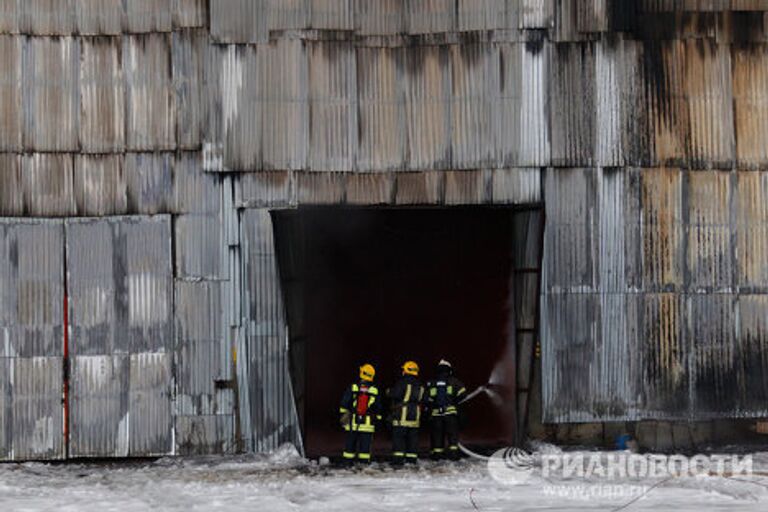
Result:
[[444, 394], [406, 399], [359, 414]]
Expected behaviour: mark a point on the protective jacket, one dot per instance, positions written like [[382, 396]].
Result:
[[407, 399], [360, 407], [444, 394]]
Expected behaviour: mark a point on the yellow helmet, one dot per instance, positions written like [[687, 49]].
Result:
[[411, 368], [367, 372]]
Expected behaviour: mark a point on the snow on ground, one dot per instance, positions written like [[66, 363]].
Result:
[[283, 482]]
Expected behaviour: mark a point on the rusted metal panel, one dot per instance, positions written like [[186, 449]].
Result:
[[516, 186], [381, 100], [52, 92], [332, 14], [190, 13], [385, 17], [333, 131], [369, 188], [481, 15], [710, 100], [663, 356], [570, 245], [573, 104], [144, 16], [285, 129], [102, 103], [274, 419], [149, 179], [11, 113], [266, 190], [428, 107], [47, 17], [150, 96], [710, 258], [419, 188], [48, 181], [475, 84], [99, 17], [238, 21], [431, 16], [663, 229], [592, 15], [190, 80], [99, 185], [751, 225], [750, 104], [11, 188], [466, 187], [669, 118], [319, 188]]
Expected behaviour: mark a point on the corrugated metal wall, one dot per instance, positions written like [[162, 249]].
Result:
[[646, 119], [119, 282], [31, 339]]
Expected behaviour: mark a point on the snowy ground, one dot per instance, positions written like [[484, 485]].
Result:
[[283, 482]]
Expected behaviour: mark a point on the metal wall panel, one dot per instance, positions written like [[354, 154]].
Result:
[[475, 82], [102, 96], [285, 128], [287, 14], [31, 339], [48, 181], [333, 130], [47, 17], [431, 16], [332, 14], [536, 13], [149, 179], [570, 245], [99, 17], [142, 16], [11, 107], [750, 104], [385, 17], [481, 15], [50, 72], [200, 247], [381, 100], [516, 186], [428, 107], [195, 190], [751, 226], [99, 185], [190, 13], [9, 17], [266, 190], [663, 248], [189, 55], [11, 189], [150, 96], [238, 21], [267, 382], [121, 335]]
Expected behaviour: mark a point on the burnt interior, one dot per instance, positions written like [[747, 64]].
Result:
[[386, 285]]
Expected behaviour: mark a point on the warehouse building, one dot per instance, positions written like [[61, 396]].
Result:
[[213, 210]]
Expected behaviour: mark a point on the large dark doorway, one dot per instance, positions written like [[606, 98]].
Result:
[[386, 285]]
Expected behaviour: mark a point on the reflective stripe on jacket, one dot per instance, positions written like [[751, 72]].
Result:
[[366, 422], [444, 395], [407, 396]]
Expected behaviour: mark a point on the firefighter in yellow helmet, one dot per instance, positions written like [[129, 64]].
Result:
[[359, 413], [406, 398]]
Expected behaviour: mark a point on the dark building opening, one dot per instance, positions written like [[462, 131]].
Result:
[[387, 285]]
